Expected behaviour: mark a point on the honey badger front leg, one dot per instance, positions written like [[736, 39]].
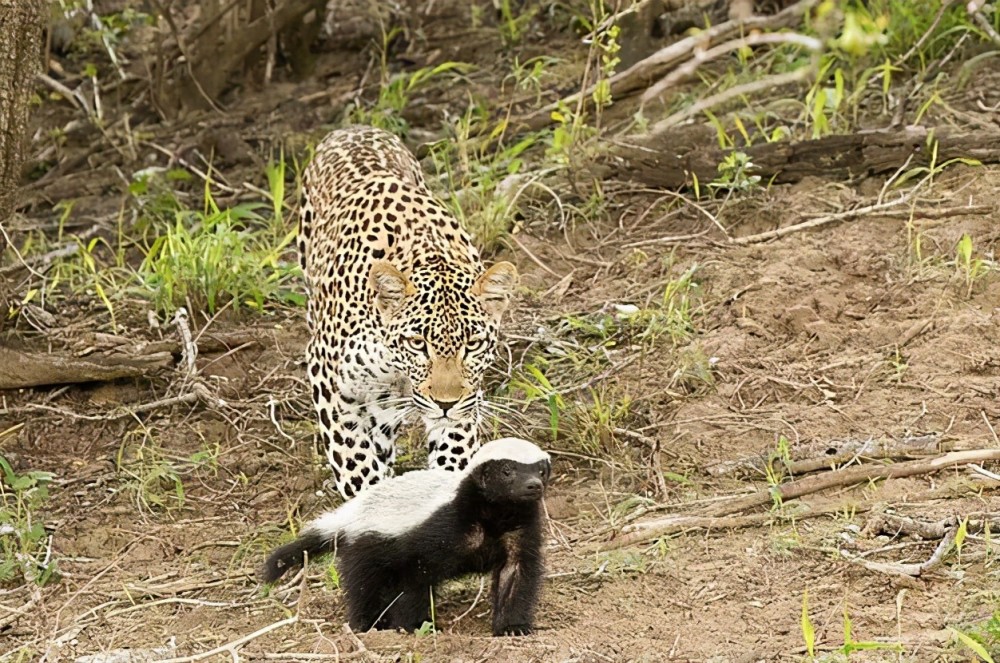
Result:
[[517, 582]]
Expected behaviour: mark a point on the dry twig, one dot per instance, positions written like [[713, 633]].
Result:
[[702, 56], [720, 515], [824, 455], [230, 647], [829, 218], [638, 76], [907, 572]]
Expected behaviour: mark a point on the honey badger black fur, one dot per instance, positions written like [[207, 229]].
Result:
[[401, 537]]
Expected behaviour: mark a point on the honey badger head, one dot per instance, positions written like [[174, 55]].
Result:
[[510, 470]]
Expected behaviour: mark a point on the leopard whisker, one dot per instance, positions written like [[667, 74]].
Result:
[[499, 410]]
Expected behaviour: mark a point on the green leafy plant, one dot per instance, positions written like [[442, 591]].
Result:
[[210, 257], [23, 541], [394, 95], [851, 645], [536, 386], [148, 474], [428, 628], [483, 175], [972, 269], [974, 645], [776, 468], [808, 631], [513, 26], [332, 577], [735, 174], [982, 638]]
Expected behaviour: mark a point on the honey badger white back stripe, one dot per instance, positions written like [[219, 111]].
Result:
[[390, 508], [399, 504], [509, 448]]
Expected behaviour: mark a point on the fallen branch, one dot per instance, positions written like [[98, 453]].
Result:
[[25, 610], [720, 515], [106, 357], [673, 159], [33, 369], [824, 455], [850, 476], [230, 647], [822, 221], [637, 77], [701, 57], [212, 60], [894, 524], [676, 524], [663, 127], [907, 572], [199, 393]]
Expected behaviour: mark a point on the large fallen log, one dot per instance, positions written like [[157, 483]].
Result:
[[104, 358], [19, 369], [675, 158]]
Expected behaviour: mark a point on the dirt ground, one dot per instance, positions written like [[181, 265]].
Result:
[[829, 334]]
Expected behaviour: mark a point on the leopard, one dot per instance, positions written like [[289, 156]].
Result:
[[403, 315]]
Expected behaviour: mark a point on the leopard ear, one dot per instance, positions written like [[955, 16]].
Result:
[[496, 286], [389, 285]]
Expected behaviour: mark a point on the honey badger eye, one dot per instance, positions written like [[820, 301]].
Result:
[[415, 343]]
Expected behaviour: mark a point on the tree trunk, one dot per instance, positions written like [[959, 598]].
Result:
[[21, 23]]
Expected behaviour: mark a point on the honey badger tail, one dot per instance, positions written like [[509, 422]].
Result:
[[292, 554]]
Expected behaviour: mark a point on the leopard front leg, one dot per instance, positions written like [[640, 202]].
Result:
[[357, 435], [359, 443], [451, 442]]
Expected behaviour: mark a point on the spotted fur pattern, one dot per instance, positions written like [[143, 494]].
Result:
[[403, 316]]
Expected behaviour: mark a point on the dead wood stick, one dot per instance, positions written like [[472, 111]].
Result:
[[677, 157], [701, 57], [939, 213], [822, 221], [642, 73], [778, 80], [903, 571], [894, 524], [19, 369], [814, 484], [231, 647], [643, 532], [205, 343], [199, 393], [823, 455], [212, 65], [122, 358], [677, 524]]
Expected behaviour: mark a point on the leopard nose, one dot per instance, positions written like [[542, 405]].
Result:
[[445, 405]]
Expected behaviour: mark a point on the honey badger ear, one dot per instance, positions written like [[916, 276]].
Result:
[[389, 286], [495, 286]]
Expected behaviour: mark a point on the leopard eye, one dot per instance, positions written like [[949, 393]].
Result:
[[415, 344], [476, 345]]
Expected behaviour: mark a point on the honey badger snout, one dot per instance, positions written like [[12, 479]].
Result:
[[532, 487]]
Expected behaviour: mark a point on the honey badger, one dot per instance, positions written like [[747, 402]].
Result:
[[401, 537]]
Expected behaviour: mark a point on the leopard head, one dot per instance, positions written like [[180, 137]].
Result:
[[441, 326]]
